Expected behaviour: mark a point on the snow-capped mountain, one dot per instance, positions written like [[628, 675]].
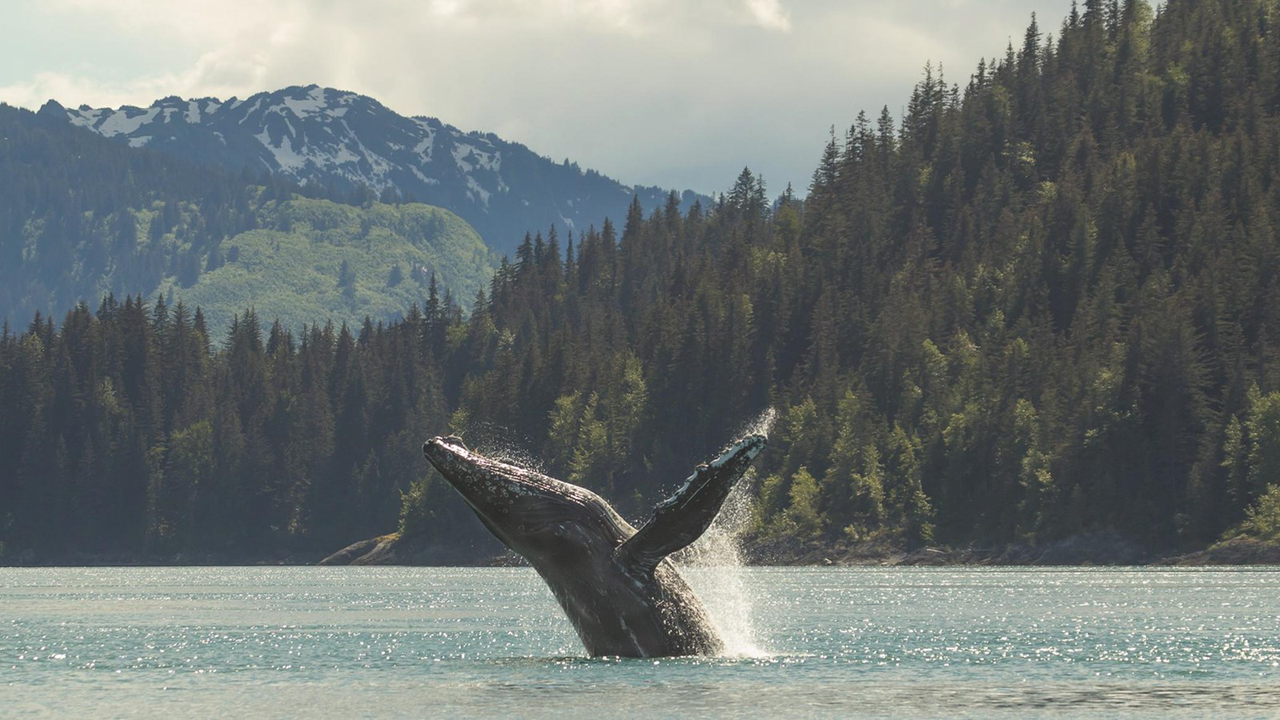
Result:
[[343, 140]]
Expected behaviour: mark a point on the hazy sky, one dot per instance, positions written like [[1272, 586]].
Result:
[[677, 93]]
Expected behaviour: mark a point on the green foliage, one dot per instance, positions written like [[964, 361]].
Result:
[[770, 505], [1251, 447], [589, 439], [1263, 427], [184, 468], [290, 276], [415, 512], [1262, 519], [802, 518]]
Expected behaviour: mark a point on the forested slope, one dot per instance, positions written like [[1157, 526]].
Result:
[[1045, 303], [1041, 304]]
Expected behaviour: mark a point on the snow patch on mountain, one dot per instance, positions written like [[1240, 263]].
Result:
[[309, 105], [313, 136], [425, 180], [461, 155], [85, 116], [257, 104], [474, 187], [286, 157], [468, 157], [379, 166], [124, 121], [344, 155], [425, 146]]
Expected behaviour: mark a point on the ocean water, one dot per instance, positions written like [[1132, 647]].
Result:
[[355, 642]]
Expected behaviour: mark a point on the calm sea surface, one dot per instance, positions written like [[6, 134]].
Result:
[[295, 642]]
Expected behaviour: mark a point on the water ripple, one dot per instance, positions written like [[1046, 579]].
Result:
[[358, 642]]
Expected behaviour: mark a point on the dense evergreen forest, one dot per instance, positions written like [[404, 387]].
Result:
[[1042, 304]]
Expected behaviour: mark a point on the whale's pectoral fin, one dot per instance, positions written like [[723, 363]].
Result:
[[683, 517]]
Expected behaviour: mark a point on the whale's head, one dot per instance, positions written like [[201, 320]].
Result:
[[547, 521]]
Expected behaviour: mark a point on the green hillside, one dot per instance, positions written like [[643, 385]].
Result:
[[82, 217], [291, 269]]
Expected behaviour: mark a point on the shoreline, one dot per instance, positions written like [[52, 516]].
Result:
[[1072, 552], [1095, 550]]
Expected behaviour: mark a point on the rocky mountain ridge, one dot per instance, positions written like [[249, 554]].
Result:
[[346, 141]]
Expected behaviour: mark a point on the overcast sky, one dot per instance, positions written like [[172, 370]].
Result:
[[677, 93]]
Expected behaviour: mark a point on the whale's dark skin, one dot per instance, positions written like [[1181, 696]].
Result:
[[617, 587]]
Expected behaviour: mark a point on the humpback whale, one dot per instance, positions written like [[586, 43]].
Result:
[[615, 583]]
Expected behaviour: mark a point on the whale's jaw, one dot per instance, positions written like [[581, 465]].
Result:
[[534, 515]]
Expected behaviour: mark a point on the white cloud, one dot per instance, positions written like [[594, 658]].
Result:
[[770, 14], [664, 92]]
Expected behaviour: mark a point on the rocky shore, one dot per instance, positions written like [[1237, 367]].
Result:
[[1094, 549], [1236, 551]]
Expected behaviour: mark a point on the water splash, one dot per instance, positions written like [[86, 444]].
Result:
[[761, 425], [716, 567], [500, 443], [512, 454]]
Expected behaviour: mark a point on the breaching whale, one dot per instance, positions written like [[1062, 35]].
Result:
[[614, 582]]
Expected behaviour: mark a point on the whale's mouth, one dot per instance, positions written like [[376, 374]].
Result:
[[522, 507], [451, 456], [486, 490], [463, 469], [491, 486]]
